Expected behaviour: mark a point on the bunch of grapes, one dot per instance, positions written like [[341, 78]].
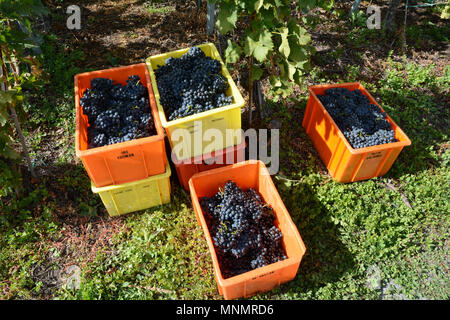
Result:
[[191, 84], [242, 228], [363, 124], [117, 113]]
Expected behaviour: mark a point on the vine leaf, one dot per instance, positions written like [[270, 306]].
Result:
[[446, 12], [326, 5], [301, 34], [268, 5], [3, 114], [291, 68], [298, 53], [278, 3], [304, 38], [274, 81], [305, 4], [257, 73], [7, 97], [258, 44], [233, 52], [258, 5], [10, 153], [267, 18], [284, 47], [10, 97]]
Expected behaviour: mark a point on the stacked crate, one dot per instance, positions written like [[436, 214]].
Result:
[[132, 175], [196, 154]]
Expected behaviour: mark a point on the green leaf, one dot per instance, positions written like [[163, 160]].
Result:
[[298, 76], [10, 153], [282, 12], [260, 53], [258, 5], [257, 73], [282, 68], [284, 47], [233, 52], [446, 13], [298, 32], [267, 18], [267, 5], [298, 52], [258, 44], [294, 27], [274, 81], [3, 115], [304, 4], [7, 97], [291, 69], [287, 70], [326, 4], [278, 3], [304, 38], [19, 98], [302, 65], [284, 90], [227, 17]]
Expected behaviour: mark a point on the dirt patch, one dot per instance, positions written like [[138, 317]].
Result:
[[79, 242]]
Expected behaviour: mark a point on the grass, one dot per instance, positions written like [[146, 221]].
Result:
[[161, 258], [397, 225]]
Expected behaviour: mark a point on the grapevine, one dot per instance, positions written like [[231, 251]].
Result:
[[271, 34]]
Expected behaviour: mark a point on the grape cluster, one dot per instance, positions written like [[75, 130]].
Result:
[[117, 113], [242, 228], [191, 84], [363, 124]]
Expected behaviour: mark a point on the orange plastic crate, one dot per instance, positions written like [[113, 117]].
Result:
[[344, 163], [216, 159], [250, 174], [126, 161]]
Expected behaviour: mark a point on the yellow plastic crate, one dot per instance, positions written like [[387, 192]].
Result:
[[223, 118], [136, 195]]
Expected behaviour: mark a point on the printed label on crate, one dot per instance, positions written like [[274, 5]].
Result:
[[374, 155], [194, 127], [125, 154], [217, 119], [122, 191], [263, 275]]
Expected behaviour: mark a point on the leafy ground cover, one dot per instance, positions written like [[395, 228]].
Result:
[[385, 238]]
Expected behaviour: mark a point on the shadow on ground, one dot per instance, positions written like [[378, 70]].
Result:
[[126, 32], [326, 259]]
